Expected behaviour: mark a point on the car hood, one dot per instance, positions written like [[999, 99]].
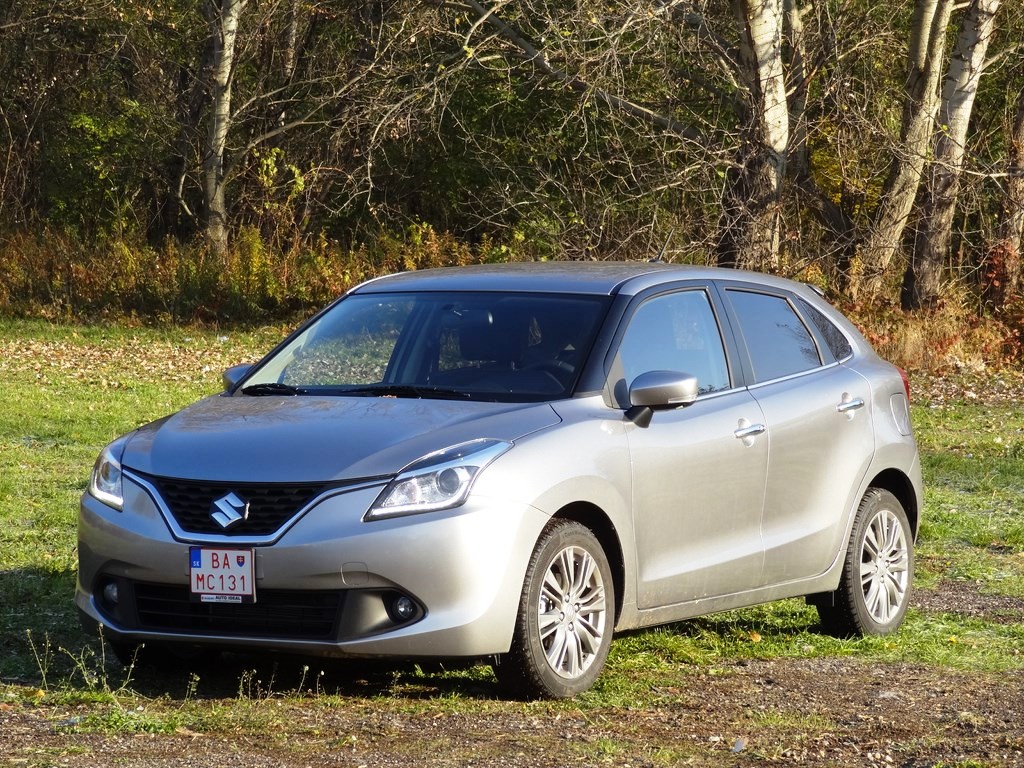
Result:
[[317, 439]]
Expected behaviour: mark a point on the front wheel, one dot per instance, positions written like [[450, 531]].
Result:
[[566, 615], [874, 590]]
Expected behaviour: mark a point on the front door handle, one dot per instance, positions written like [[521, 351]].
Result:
[[752, 431]]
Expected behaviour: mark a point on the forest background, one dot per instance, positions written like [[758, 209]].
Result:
[[222, 161]]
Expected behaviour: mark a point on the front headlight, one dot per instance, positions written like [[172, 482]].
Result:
[[439, 480], [105, 482]]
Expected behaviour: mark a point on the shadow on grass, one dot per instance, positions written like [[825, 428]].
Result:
[[46, 647], [223, 675], [780, 618], [37, 617]]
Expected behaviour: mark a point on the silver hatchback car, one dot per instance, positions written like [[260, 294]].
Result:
[[512, 463]]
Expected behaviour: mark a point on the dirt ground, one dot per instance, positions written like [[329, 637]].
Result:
[[817, 712]]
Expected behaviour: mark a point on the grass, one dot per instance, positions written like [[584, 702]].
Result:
[[67, 391], [973, 528]]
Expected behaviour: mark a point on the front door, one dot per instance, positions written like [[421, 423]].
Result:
[[699, 471]]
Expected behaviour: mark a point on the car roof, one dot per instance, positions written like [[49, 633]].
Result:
[[600, 278]]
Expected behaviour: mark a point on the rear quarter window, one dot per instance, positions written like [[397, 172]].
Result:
[[836, 341]]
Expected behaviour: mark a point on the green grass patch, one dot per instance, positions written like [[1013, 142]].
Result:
[[68, 391], [973, 525]]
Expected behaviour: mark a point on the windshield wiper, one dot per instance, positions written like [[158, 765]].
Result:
[[405, 390], [272, 388]]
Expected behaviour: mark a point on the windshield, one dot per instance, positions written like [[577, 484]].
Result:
[[490, 346]]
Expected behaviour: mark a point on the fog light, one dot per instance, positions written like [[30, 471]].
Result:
[[403, 608], [110, 592]]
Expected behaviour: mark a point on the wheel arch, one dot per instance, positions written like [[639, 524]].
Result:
[[900, 486], [594, 518]]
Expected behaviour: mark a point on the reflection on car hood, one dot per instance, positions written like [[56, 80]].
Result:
[[317, 439]]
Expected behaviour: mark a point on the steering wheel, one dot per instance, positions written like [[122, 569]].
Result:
[[557, 368]]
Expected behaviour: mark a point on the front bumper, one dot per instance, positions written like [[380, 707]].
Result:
[[325, 586]]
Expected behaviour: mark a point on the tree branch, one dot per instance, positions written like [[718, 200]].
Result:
[[530, 54]]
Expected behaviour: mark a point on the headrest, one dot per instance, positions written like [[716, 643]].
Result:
[[493, 337]]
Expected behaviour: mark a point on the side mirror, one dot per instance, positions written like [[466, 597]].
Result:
[[659, 390], [234, 374]]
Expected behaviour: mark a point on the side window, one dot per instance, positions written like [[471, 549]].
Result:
[[676, 332], [778, 341], [837, 343]]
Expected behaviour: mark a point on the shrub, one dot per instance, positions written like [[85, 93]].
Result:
[[955, 335], [56, 275]]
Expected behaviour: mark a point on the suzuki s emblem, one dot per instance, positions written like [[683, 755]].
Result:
[[228, 511]]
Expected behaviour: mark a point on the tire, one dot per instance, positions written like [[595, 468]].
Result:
[[566, 617], [874, 590]]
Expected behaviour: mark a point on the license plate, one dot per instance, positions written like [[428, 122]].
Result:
[[222, 575]]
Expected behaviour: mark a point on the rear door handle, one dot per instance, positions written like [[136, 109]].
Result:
[[848, 405]]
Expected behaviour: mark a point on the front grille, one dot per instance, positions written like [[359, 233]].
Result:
[[270, 506], [283, 614]]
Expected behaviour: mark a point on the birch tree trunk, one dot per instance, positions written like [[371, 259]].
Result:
[[927, 46], [923, 278], [797, 85], [223, 16], [751, 222], [1002, 268]]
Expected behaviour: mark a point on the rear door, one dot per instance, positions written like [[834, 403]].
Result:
[[819, 429], [698, 486]]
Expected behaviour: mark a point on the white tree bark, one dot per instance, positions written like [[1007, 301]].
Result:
[[923, 278], [223, 17], [798, 76], [750, 230], [924, 67]]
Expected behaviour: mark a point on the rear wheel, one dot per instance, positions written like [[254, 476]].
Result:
[[874, 590], [566, 615]]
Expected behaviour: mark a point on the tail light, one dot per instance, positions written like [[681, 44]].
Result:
[[906, 382]]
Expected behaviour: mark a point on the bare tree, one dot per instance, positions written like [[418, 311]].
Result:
[[223, 17], [340, 84], [50, 50], [1002, 268], [615, 144], [703, 58], [797, 85], [923, 277], [924, 68], [750, 226]]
